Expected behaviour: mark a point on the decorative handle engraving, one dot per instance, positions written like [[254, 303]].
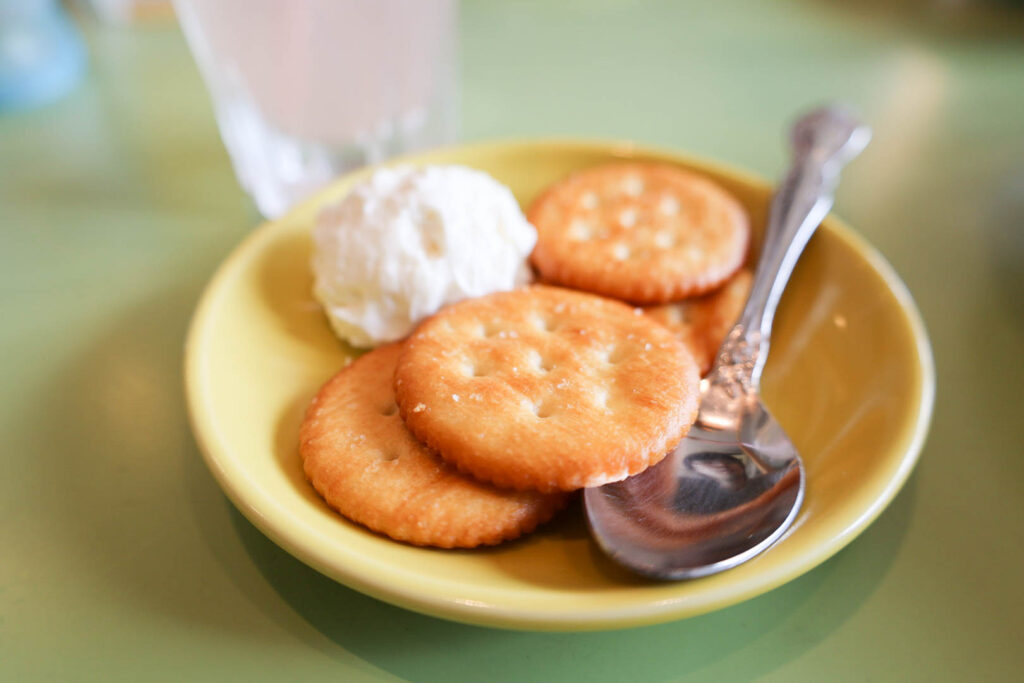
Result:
[[822, 142]]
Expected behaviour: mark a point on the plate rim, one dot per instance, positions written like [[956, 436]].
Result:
[[247, 498]]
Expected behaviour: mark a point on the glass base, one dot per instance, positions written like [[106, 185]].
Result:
[[278, 170]]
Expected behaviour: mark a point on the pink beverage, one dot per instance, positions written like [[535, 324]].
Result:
[[304, 90]]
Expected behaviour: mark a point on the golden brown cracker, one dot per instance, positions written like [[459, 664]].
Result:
[[364, 462], [702, 322], [642, 232], [545, 388]]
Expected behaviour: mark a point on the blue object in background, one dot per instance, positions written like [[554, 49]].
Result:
[[42, 55]]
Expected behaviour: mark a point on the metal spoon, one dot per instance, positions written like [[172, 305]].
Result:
[[735, 483]]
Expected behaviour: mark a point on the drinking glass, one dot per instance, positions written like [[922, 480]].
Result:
[[304, 90]]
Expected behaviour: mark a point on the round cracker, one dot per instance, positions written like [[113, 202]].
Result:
[[702, 322], [643, 232], [364, 462], [545, 388]]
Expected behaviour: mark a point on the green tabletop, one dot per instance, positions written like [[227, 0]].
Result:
[[120, 559]]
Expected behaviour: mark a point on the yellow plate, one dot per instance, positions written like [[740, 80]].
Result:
[[850, 377]]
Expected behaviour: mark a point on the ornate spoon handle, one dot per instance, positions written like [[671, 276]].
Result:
[[823, 141]]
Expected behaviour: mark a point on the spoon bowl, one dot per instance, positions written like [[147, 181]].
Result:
[[720, 498]]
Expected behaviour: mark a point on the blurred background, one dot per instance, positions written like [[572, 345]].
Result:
[[135, 155]]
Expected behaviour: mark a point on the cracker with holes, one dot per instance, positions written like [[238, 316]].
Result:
[[545, 388], [642, 232], [365, 463], [702, 322]]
